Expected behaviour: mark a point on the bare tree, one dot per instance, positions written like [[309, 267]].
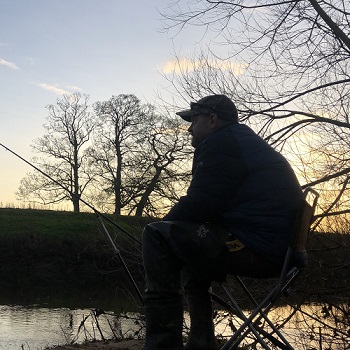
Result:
[[119, 122], [286, 64], [134, 151], [68, 129], [161, 169]]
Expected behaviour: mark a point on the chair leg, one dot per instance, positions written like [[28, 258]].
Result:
[[263, 310], [252, 324], [237, 338]]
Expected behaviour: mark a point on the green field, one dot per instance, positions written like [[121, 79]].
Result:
[[54, 253]]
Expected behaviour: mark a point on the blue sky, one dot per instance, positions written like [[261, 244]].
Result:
[[49, 47]]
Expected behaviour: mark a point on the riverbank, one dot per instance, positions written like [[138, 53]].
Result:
[[108, 345], [50, 254], [46, 256]]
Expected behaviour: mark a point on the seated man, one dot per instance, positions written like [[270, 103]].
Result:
[[236, 218]]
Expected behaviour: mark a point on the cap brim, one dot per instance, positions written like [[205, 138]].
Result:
[[187, 114]]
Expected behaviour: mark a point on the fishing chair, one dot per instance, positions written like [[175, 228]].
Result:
[[257, 324]]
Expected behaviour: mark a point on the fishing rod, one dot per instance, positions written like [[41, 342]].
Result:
[[99, 214], [117, 252]]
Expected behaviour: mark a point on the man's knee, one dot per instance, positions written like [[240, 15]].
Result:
[[155, 227], [155, 241], [162, 233]]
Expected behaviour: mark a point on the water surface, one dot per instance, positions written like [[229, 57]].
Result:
[[34, 328]]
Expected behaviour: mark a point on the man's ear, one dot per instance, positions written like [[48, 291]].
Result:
[[214, 120]]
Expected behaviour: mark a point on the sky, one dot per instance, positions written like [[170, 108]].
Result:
[[54, 47]]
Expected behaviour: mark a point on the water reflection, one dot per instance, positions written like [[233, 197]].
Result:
[[306, 327], [35, 328]]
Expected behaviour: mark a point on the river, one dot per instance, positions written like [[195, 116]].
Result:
[[35, 327], [50, 319]]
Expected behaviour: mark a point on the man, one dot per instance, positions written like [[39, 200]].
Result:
[[235, 218]]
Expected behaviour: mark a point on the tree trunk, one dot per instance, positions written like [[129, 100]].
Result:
[[118, 181], [140, 207]]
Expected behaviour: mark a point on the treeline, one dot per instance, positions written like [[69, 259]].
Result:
[[121, 155]]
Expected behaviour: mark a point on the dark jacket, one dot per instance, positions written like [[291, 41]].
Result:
[[242, 183]]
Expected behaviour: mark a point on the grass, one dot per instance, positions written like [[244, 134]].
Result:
[[48, 222], [52, 252]]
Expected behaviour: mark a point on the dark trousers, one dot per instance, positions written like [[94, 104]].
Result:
[[193, 255]]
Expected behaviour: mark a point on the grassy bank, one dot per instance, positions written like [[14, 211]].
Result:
[[52, 253]]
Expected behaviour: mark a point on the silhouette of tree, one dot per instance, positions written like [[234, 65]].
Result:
[[286, 65], [68, 129], [136, 156]]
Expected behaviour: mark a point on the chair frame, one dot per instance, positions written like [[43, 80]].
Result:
[[288, 275]]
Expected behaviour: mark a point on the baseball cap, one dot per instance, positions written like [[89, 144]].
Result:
[[219, 104]]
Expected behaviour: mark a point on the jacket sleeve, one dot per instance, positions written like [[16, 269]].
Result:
[[218, 171]]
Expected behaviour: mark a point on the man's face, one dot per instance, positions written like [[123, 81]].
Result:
[[200, 128]]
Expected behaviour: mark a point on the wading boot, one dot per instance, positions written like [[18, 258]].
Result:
[[201, 335], [164, 327]]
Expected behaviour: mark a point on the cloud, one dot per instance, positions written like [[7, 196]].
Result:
[[74, 88], [55, 89], [58, 90], [184, 65], [8, 64]]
